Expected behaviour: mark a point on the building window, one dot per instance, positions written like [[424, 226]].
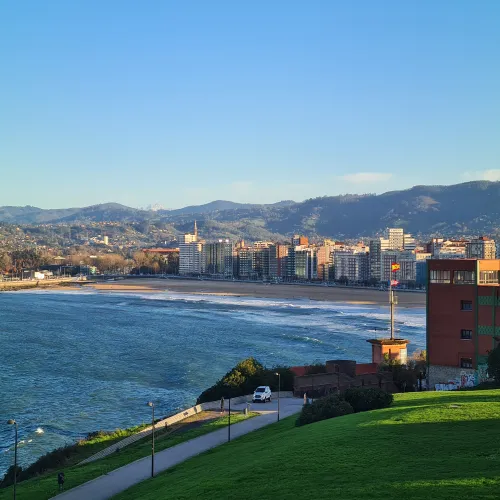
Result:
[[466, 305], [465, 362], [440, 276], [464, 277], [466, 334], [488, 277]]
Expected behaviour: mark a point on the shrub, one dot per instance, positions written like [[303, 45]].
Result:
[[323, 409], [368, 399], [406, 376], [244, 378], [494, 363]]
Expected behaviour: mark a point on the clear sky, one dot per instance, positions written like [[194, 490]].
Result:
[[254, 101]]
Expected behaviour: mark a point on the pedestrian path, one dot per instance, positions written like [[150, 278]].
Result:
[[111, 484]]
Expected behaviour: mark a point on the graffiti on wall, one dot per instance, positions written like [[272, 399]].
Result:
[[481, 374], [464, 380]]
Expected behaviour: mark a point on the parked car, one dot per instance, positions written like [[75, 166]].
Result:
[[262, 394]]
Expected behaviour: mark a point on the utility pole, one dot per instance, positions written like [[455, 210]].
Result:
[[392, 299], [152, 405], [391, 305]]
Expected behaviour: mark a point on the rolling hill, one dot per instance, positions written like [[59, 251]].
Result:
[[467, 208]]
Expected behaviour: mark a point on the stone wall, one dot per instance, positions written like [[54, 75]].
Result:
[[325, 383], [443, 374]]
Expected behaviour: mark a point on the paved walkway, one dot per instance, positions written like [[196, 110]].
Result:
[[120, 479]]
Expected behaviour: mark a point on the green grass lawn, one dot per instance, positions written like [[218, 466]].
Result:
[[433, 446], [45, 486]]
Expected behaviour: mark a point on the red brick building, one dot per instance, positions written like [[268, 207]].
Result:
[[463, 318]]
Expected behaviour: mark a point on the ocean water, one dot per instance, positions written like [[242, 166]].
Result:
[[76, 362]]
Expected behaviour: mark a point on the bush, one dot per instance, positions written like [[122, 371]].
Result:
[[494, 363], [368, 399], [244, 378], [406, 376], [323, 409]]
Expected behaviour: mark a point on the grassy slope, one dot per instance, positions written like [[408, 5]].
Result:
[[420, 448], [44, 487]]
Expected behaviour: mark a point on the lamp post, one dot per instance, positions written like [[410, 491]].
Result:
[[152, 405], [279, 393], [229, 420], [14, 423]]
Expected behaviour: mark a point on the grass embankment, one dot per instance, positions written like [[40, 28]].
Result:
[[427, 445], [45, 486]]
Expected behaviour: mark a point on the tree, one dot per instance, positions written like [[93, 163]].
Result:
[[140, 259], [494, 363], [25, 259], [5, 262]]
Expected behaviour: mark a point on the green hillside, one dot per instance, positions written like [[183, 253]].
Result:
[[44, 486], [426, 446]]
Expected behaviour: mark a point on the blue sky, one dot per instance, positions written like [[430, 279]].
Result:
[[254, 101]]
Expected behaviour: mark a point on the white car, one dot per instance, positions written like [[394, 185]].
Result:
[[262, 394]]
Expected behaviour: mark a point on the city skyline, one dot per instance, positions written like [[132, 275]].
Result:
[[194, 102]]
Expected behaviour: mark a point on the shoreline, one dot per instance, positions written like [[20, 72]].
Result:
[[12, 286], [355, 296]]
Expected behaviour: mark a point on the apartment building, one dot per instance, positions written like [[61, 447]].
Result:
[[306, 267], [260, 261], [481, 248], [244, 260], [324, 258], [407, 271], [463, 318], [218, 258], [409, 243], [299, 240], [377, 246], [396, 238], [278, 255], [441, 248], [190, 254], [351, 266]]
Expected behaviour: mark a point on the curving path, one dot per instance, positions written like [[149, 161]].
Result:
[[120, 479]]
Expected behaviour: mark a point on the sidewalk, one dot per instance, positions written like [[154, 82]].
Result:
[[111, 484]]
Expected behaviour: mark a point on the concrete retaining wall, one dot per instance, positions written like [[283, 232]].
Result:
[[178, 417], [443, 374]]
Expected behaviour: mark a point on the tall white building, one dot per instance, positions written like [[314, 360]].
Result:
[[396, 238], [190, 253]]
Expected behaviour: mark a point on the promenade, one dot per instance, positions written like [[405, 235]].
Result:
[[111, 484]]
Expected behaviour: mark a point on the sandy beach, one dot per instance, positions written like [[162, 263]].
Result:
[[260, 290]]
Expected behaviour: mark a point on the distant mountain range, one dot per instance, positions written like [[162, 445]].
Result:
[[219, 205], [468, 208]]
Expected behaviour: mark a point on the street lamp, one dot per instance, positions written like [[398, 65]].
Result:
[[14, 423], [228, 387], [152, 405], [279, 393]]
